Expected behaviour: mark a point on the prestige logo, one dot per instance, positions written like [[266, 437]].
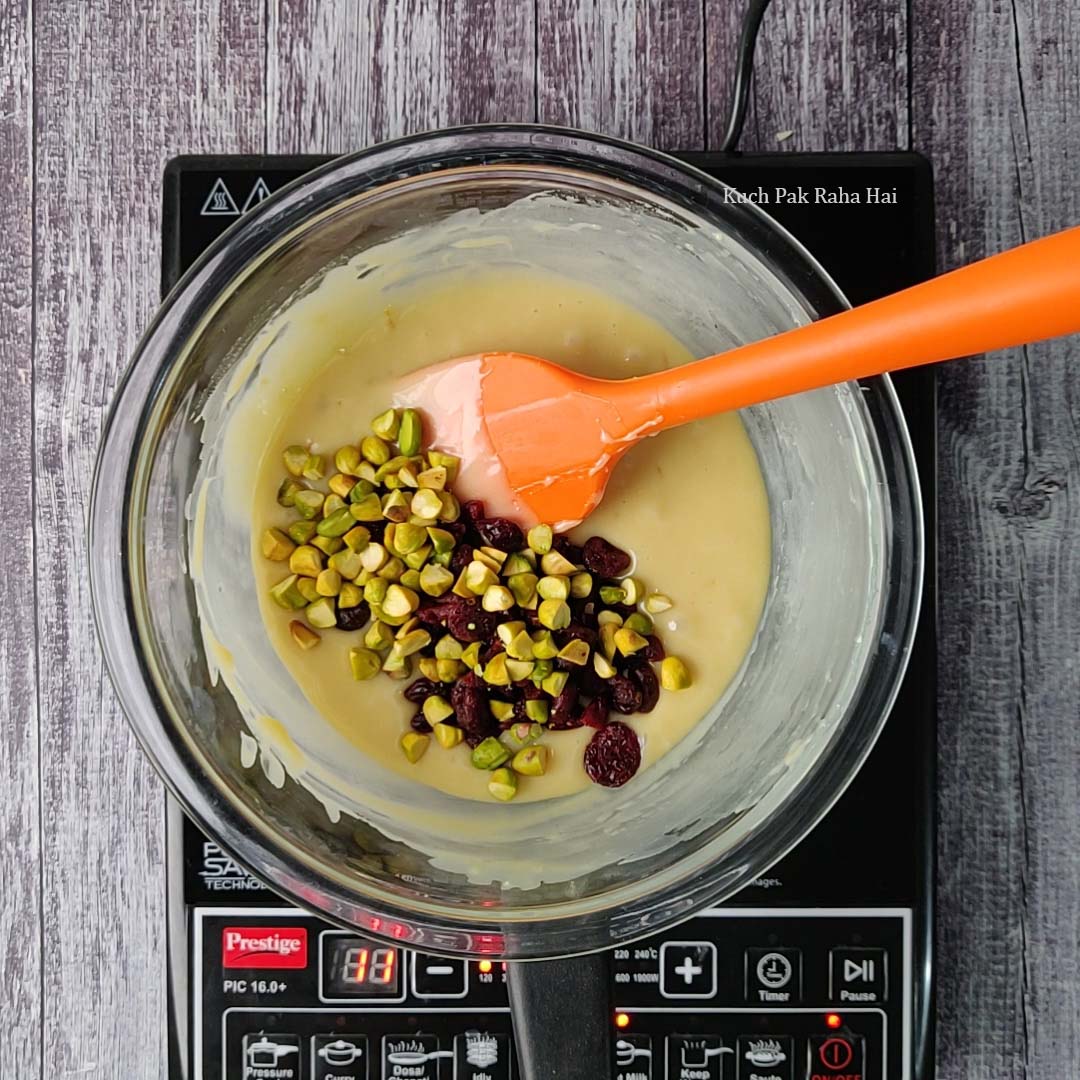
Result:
[[264, 947]]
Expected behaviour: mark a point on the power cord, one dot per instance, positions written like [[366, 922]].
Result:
[[744, 70]]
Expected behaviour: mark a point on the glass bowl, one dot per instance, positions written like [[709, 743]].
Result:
[[605, 866]]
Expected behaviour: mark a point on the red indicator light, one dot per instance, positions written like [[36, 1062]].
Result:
[[622, 1020], [833, 1020], [485, 967]]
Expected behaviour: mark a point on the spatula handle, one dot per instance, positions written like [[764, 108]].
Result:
[[1026, 294]]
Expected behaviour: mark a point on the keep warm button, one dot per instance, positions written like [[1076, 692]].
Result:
[[695, 1057], [836, 1057]]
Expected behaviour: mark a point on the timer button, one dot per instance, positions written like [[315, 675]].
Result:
[[434, 977], [773, 976]]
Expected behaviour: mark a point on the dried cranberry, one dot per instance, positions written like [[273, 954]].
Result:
[[376, 529], [613, 755], [589, 682], [577, 632], [418, 691], [455, 528], [473, 511], [520, 715], [500, 533], [654, 651], [469, 622], [625, 694], [419, 723], [649, 685], [595, 713], [469, 700], [567, 548], [605, 559], [564, 712], [461, 558], [354, 618]]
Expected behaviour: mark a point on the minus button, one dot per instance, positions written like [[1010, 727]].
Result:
[[436, 977]]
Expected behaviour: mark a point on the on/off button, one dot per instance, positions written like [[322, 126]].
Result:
[[836, 1057]]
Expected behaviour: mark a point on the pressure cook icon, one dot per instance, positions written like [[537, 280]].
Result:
[[481, 1050]]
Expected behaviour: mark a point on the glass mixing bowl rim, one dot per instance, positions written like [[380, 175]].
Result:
[[564, 927]]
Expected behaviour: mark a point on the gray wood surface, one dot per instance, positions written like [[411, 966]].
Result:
[[96, 95]]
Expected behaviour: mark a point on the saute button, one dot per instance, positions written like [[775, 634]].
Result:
[[696, 1057], [765, 1057], [858, 975], [339, 1057], [836, 1057], [271, 1057], [412, 1057], [633, 1057], [480, 1055]]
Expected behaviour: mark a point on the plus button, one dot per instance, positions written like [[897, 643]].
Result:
[[688, 970]]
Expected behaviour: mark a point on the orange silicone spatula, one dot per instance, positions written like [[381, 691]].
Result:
[[539, 441]]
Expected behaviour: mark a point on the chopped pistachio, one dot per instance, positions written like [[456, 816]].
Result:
[[497, 598], [434, 478], [503, 785], [612, 594], [361, 488], [640, 622], [392, 569], [306, 560], [446, 735], [321, 613], [555, 683], [395, 507], [502, 710], [410, 624], [286, 594], [385, 425], [461, 587], [328, 583], [544, 647], [496, 673], [539, 538], [350, 596], [300, 532], [408, 476], [519, 669], [516, 563], [276, 546], [435, 580], [346, 563], [357, 538], [448, 648], [295, 458], [480, 556], [347, 460], [605, 617], [490, 754], [554, 563], [410, 579], [328, 545], [575, 652], [306, 587], [554, 614], [581, 585], [507, 631], [629, 641], [479, 578], [341, 485], [633, 590], [450, 507], [379, 636], [388, 471], [308, 503], [410, 432], [541, 670], [315, 467], [438, 460], [413, 642], [553, 588], [471, 656], [674, 674], [537, 710], [429, 668], [449, 670], [337, 524], [364, 663], [375, 590], [415, 560], [373, 557], [374, 450], [303, 635], [368, 508], [520, 735], [436, 709], [287, 492], [531, 761], [398, 668], [602, 665], [426, 504], [386, 617], [441, 540], [494, 557], [414, 745], [366, 474], [520, 647], [408, 538], [523, 586], [400, 601]]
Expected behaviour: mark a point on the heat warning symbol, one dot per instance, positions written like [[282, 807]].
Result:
[[220, 203]]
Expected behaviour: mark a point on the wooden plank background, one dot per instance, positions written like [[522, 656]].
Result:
[[96, 95]]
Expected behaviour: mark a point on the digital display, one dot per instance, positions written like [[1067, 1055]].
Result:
[[357, 967]]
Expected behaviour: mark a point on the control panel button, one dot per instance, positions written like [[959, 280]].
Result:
[[688, 969], [339, 1057], [434, 977], [766, 1057], [412, 1057], [271, 1057], [858, 976], [773, 976], [633, 1057], [836, 1057], [696, 1057], [480, 1055]]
